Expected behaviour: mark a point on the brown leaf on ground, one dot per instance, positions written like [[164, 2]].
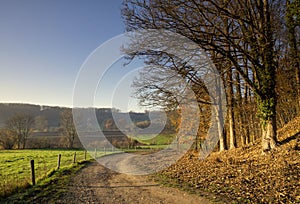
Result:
[[245, 175]]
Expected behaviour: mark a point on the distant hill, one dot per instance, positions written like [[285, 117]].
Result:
[[106, 116], [50, 113], [9, 109]]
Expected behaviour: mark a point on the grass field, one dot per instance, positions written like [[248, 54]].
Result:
[[48, 189], [15, 171], [160, 139]]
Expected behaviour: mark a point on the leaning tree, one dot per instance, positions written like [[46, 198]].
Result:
[[241, 33]]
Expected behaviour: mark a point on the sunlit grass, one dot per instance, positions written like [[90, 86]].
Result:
[[15, 170], [160, 139]]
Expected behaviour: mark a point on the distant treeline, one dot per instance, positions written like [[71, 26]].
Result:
[[47, 118]]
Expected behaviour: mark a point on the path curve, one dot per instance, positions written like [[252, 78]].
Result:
[[98, 184]]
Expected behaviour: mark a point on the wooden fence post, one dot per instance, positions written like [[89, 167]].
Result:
[[85, 155], [32, 172], [58, 161], [95, 155], [74, 160]]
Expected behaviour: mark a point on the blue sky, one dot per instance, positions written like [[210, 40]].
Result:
[[44, 43]]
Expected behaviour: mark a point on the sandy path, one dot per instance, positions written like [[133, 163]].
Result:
[[97, 184]]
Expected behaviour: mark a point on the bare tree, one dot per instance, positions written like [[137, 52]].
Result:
[[67, 127], [7, 139], [41, 123], [164, 87], [20, 127], [249, 38]]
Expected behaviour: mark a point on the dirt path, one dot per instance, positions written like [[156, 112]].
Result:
[[97, 184]]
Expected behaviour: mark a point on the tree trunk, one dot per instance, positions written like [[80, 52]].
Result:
[[19, 141], [221, 134], [267, 115], [294, 52], [267, 96], [298, 83], [24, 142], [232, 138], [220, 118], [247, 135], [269, 135]]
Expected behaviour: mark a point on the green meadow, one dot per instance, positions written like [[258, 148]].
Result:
[[15, 171], [160, 139]]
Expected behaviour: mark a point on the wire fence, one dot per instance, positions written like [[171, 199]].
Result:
[[15, 166]]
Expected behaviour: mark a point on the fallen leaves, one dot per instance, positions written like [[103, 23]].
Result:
[[244, 175]]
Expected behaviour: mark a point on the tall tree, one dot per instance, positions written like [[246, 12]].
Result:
[[162, 87], [67, 127], [20, 126], [7, 139], [230, 109], [250, 38], [293, 26]]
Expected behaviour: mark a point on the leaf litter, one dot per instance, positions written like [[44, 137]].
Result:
[[246, 175]]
